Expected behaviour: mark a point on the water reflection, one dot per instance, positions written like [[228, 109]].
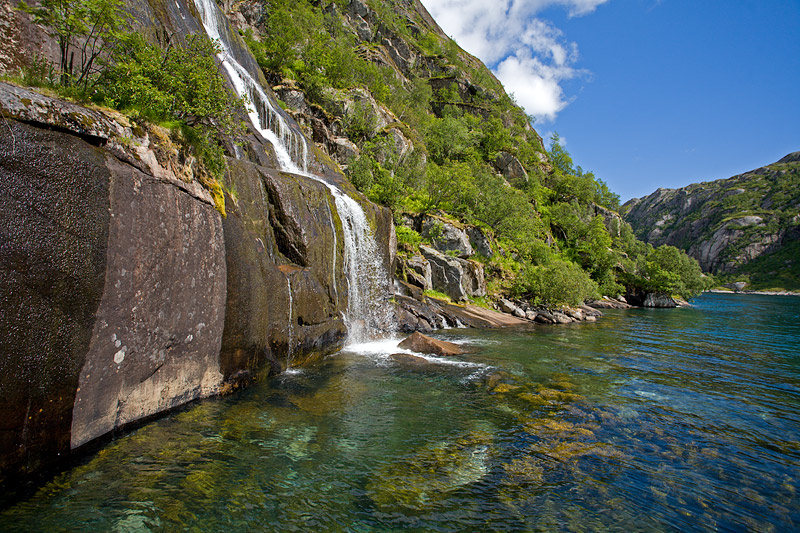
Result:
[[646, 420]]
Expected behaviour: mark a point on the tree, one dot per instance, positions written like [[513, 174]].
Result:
[[180, 83], [556, 283], [88, 26], [669, 270]]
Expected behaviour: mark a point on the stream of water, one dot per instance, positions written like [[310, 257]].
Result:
[[648, 420], [368, 313]]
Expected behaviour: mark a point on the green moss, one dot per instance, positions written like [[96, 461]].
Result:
[[433, 472], [436, 295]]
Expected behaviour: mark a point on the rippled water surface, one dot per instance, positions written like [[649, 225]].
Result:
[[654, 420]]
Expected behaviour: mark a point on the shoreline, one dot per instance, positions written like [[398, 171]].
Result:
[[760, 293]]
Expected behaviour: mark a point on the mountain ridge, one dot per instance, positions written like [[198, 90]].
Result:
[[739, 228]]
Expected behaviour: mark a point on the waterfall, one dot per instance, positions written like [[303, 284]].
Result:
[[368, 312], [290, 322], [290, 146]]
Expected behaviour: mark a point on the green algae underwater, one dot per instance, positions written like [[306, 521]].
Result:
[[648, 420]]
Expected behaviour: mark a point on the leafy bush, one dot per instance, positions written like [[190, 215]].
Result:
[[671, 271], [559, 282], [179, 83], [407, 237]]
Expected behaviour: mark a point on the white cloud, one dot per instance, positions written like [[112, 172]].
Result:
[[529, 55]]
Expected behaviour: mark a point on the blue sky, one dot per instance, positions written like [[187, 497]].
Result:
[[646, 93]]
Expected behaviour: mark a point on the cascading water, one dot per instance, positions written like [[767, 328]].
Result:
[[368, 312], [289, 145], [290, 322]]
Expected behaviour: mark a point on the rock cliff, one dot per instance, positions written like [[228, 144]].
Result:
[[747, 226], [126, 289]]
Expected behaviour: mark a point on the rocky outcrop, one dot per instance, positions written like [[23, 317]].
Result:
[[611, 219], [125, 292], [446, 236], [415, 270], [511, 169], [725, 224], [455, 277], [417, 312], [651, 300], [480, 241], [113, 276]]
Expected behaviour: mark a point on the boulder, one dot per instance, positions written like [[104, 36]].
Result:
[[511, 169], [737, 286], [344, 149], [561, 318], [507, 306], [417, 271], [659, 300], [575, 314], [457, 278], [420, 343], [446, 236], [480, 241], [545, 317], [474, 281], [589, 311], [608, 303]]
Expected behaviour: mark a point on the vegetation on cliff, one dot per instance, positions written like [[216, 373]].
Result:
[[744, 229], [424, 128], [557, 247], [169, 81]]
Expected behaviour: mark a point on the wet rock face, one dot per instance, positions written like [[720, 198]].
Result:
[[281, 235], [123, 293], [54, 223]]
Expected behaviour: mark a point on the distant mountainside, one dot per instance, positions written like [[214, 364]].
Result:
[[744, 228]]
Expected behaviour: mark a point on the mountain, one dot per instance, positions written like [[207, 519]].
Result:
[[196, 194], [744, 229]]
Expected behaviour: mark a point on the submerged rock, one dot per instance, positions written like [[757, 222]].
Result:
[[423, 344], [414, 362], [432, 473]]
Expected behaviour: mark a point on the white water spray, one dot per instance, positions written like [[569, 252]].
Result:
[[368, 282]]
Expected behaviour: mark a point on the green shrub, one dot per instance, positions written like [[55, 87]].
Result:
[[672, 271], [407, 237], [557, 283], [181, 84]]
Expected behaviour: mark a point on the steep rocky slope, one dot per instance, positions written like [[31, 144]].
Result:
[[126, 289], [134, 279], [744, 228]]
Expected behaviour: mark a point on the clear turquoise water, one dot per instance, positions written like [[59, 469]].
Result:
[[684, 419]]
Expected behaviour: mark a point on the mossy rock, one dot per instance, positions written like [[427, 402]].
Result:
[[428, 476]]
